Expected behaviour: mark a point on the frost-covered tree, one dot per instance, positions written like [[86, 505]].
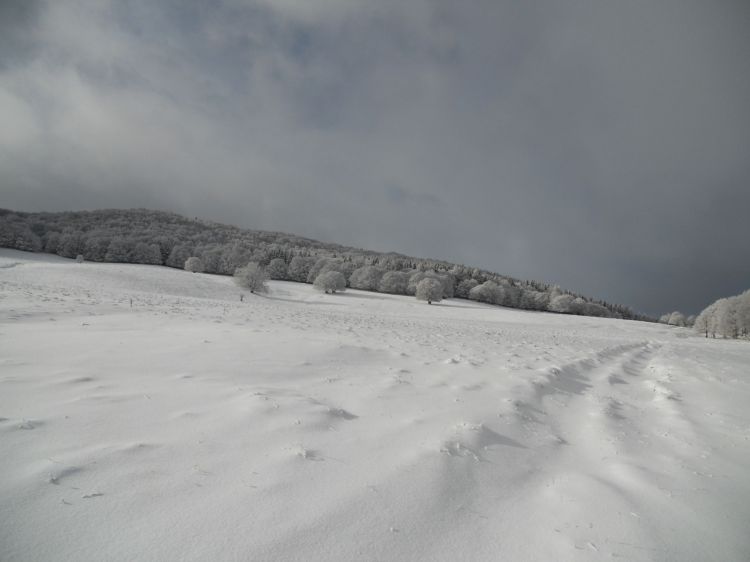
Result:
[[430, 290], [324, 265], [276, 269], [563, 303], [95, 248], [366, 278], [704, 322], [743, 313], [446, 282], [119, 250], [330, 282], [179, 254], [489, 292], [299, 268], [726, 317], [27, 241], [394, 282], [211, 256], [194, 264], [71, 244], [234, 257], [146, 253], [676, 319], [465, 286], [52, 239], [252, 277]]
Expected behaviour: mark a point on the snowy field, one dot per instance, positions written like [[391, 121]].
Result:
[[360, 426]]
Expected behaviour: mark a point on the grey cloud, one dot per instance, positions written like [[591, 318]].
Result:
[[599, 145]]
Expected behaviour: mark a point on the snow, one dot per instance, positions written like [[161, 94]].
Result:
[[304, 426]]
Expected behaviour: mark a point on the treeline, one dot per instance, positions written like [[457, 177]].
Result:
[[728, 317], [160, 238]]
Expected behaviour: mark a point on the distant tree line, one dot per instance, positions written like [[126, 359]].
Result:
[[160, 238], [676, 318], [727, 317]]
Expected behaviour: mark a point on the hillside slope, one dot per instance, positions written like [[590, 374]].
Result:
[[302, 426], [155, 237]]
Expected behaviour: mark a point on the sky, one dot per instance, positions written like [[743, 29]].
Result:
[[597, 144]]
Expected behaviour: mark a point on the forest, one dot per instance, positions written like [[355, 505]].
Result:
[[161, 238]]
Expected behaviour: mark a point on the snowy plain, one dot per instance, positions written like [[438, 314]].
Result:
[[358, 426]]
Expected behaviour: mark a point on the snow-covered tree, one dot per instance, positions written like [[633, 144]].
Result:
[[394, 282], [71, 244], [430, 290], [676, 319], [465, 286], [726, 317], [563, 303], [299, 268], [489, 292], [179, 254], [446, 282], [276, 269], [330, 282], [146, 253], [95, 248], [234, 256], [194, 264], [366, 278], [252, 277], [704, 322], [743, 313], [119, 250]]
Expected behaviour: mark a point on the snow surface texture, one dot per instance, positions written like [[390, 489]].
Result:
[[359, 426]]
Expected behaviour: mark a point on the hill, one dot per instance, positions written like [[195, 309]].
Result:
[[161, 238]]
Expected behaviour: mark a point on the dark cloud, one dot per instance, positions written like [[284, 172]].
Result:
[[18, 19], [601, 145]]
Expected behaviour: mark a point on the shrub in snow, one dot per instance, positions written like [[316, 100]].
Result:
[[330, 282], [194, 265], [79, 258], [252, 277], [429, 289]]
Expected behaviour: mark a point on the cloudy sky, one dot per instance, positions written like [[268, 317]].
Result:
[[600, 144]]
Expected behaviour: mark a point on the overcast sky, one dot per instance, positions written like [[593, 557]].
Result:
[[603, 145]]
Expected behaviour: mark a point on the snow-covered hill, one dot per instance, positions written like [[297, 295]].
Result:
[[300, 426]]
